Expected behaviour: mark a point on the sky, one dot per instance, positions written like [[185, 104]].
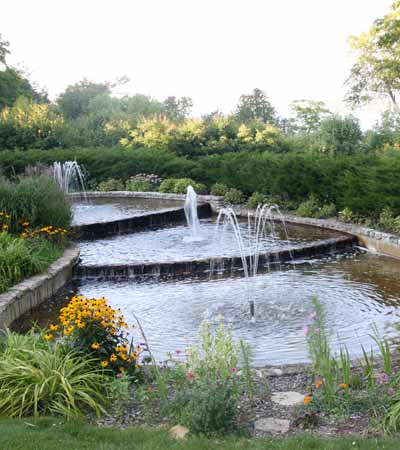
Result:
[[210, 50]]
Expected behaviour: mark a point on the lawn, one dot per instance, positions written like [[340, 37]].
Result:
[[52, 434]]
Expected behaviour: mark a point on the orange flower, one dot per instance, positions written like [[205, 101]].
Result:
[[319, 383], [307, 400], [344, 386]]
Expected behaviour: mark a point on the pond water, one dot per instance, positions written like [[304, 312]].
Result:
[[356, 291], [107, 209], [174, 243]]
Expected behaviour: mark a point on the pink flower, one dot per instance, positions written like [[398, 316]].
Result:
[[234, 369], [305, 330], [317, 330], [119, 375], [390, 391], [178, 351], [383, 377], [190, 375]]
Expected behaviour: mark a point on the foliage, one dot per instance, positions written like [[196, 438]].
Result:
[[40, 379], [376, 71], [255, 106], [180, 185], [234, 196], [340, 136], [219, 189], [37, 200], [308, 115], [77, 98], [338, 387], [363, 183], [206, 386], [312, 208], [21, 258], [143, 182], [177, 109], [92, 327], [388, 221], [112, 184], [27, 124], [256, 199]]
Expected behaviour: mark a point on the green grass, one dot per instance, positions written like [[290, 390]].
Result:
[[53, 434], [21, 258]]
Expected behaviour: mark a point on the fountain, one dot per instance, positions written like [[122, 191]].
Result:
[[192, 219], [260, 225], [68, 174]]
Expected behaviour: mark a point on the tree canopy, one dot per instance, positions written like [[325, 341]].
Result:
[[255, 107], [376, 71]]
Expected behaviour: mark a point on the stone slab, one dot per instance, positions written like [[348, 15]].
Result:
[[272, 425]]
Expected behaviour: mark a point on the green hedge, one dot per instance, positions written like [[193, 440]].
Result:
[[365, 183]]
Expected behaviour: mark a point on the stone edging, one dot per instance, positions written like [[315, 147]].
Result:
[[376, 241], [24, 296]]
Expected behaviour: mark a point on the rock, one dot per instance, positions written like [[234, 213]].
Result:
[[288, 398], [274, 372], [179, 432], [272, 425]]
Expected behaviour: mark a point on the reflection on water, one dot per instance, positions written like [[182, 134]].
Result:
[[355, 291], [109, 209], [169, 244]]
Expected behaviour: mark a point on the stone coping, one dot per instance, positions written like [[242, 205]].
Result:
[[376, 241], [220, 265], [24, 296], [212, 199]]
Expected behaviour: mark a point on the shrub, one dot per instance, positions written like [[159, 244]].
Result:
[[219, 189], [36, 199], [182, 184], [21, 258], [256, 199], [234, 196], [39, 378], [94, 328], [347, 215], [312, 208], [206, 387], [143, 183], [168, 185], [388, 221], [112, 184]]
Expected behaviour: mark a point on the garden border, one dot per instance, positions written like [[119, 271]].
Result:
[[34, 290]]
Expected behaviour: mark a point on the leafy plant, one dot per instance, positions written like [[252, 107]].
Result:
[[257, 199], [219, 189], [112, 184], [43, 379], [143, 183], [234, 196], [91, 326]]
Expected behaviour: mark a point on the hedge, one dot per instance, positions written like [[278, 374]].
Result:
[[364, 183]]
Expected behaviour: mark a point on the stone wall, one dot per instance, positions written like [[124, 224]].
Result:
[[24, 296]]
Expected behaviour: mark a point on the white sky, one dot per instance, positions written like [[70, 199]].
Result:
[[210, 50]]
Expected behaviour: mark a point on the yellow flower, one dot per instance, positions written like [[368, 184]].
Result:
[[95, 346], [113, 358], [53, 327], [307, 400], [137, 366], [48, 336], [104, 363]]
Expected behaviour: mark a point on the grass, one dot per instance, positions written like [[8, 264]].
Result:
[[50, 434], [21, 258]]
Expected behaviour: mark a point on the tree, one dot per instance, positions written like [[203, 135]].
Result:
[[14, 84], [255, 107], [340, 136], [77, 98], [3, 50], [308, 115], [376, 72], [177, 109]]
